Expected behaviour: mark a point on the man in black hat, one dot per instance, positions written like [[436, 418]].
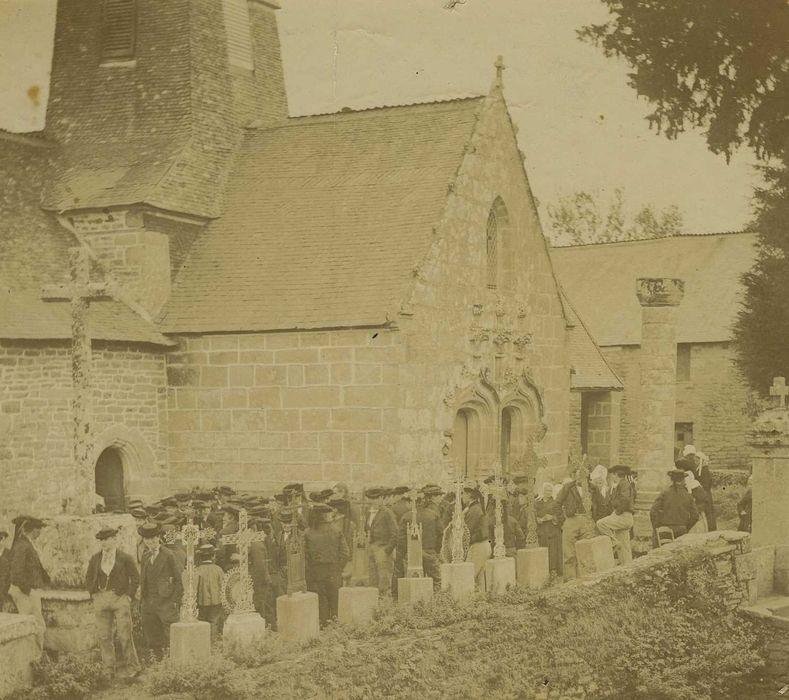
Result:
[[674, 508], [382, 535], [28, 576], [326, 553], [401, 504], [619, 522], [112, 581], [577, 523], [161, 589]]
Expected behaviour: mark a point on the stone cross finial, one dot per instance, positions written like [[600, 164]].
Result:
[[80, 292], [779, 391], [242, 539], [190, 534]]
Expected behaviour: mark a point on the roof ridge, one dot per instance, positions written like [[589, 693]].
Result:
[[657, 238], [301, 119]]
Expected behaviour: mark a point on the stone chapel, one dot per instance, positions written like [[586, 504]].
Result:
[[364, 296]]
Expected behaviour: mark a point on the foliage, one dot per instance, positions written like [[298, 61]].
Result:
[[658, 632], [213, 679], [726, 478], [578, 219], [69, 678], [723, 66]]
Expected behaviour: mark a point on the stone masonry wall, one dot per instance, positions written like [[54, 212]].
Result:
[[36, 420], [258, 410], [714, 400], [450, 295]]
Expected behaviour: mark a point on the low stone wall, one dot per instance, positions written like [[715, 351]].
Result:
[[18, 651]]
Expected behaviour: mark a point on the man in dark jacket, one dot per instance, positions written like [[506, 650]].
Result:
[[28, 576], [326, 553], [618, 524], [577, 521], [675, 507], [112, 581], [381, 529], [476, 520], [161, 589]]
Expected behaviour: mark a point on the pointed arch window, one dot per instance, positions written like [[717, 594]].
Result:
[[493, 250], [120, 30]]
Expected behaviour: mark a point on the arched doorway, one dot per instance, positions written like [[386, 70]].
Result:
[[109, 479]]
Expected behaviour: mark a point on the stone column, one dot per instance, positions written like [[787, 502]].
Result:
[[769, 439], [659, 299]]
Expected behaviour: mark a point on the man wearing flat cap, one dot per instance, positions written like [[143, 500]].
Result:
[[161, 589], [28, 576], [674, 508], [112, 581], [382, 535]]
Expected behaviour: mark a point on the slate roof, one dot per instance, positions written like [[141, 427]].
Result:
[[325, 218], [600, 282], [34, 253], [590, 369]]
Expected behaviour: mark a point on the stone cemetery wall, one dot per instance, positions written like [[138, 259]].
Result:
[[36, 423], [713, 400], [259, 410]]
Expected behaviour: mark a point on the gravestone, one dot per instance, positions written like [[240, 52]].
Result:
[[298, 617], [594, 555], [190, 639], [414, 586], [243, 624], [457, 576], [357, 604], [18, 651], [499, 571], [360, 562], [531, 567]]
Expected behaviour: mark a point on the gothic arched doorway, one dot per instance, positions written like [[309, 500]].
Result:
[[109, 480]]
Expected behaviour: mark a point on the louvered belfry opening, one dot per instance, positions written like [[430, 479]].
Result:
[[120, 20], [493, 253], [239, 33]]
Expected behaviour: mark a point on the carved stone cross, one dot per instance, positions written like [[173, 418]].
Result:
[[498, 491], [779, 391], [296, 562], [80, 292], [414, 540], [190, 534], [242, 539]]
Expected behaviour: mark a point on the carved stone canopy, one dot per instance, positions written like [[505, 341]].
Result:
[[659, 291]]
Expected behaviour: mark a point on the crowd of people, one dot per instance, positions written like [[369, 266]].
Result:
[[347, 540]]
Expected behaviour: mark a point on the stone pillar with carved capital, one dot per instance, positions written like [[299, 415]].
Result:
[[659, 298]]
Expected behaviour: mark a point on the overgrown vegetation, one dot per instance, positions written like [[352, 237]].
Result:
[[70, 678], [658, 635]]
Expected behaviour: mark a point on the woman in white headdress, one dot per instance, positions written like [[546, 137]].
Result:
[[700, 496]]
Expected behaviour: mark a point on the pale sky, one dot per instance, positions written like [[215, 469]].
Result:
[[580, 126]]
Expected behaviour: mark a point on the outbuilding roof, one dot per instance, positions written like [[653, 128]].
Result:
[[325, 218], [600, 282]]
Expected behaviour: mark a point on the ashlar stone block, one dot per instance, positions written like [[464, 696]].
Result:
[[499, 573], [411, 590], [594, 555], [191, 641], [458, 579], [297, 617], [357, 604], [243, 628], [531, 567]]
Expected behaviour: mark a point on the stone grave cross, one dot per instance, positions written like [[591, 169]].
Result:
[[458, 532], [296, 562], [190, 534], [779, 392], [242, 539], [80, 292], [498, 490], [414, 540]]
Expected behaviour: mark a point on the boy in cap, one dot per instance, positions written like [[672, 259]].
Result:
[[112, 581], [28, 576], [618, 524], [326, 553], [209, 590], [161, 589]]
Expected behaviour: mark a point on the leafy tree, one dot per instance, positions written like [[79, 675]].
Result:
[[722, 66], [577, 219]]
